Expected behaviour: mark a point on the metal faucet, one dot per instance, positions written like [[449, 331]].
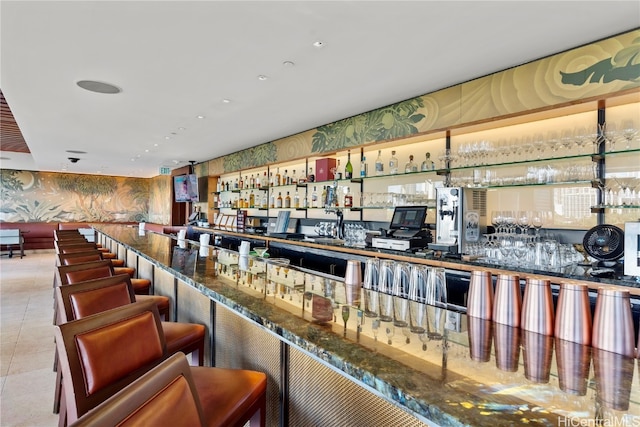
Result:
[[330, 205]]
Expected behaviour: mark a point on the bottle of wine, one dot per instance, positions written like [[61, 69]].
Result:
[[348, 168], [287, 201], [393, 163], [314, 198], [279, 201], [252, 200], [296, 199], [379, 164]]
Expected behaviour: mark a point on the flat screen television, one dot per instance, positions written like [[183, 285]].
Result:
[[408, 218], [185, 188]]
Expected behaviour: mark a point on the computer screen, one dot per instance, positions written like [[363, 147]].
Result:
[[408, 217]]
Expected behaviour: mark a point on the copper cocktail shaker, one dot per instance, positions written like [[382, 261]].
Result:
[[480, 295], [573, 314], [612, 322], [508, 300], [537, 307]]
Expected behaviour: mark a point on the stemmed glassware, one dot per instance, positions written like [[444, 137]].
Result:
[[523, 221], [537, 221], [629, 132], [609, 132]]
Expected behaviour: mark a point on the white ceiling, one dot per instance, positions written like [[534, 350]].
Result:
[[175, 60]]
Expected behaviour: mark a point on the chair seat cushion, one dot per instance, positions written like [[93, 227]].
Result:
[[184, 337], [124, 270], [141, 286], [227, 394], [161, 302]]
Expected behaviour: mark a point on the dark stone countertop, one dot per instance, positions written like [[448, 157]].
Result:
[[480, 373]]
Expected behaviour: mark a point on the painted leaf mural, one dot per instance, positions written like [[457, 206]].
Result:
[[395, 121], [252, 157]]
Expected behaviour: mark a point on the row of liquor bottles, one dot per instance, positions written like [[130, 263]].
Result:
[[299, 200], [257, 181]]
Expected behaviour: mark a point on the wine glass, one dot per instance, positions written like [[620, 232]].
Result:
[[537, 220], [523, 221], [550, 248], [629, 132], [609, 132]]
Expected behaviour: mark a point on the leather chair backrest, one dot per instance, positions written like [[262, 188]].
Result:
[[66, 274], [65, 248], [100, 355], [75, 301], [166, 395], [78, 257]]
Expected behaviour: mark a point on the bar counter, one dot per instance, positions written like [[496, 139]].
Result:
[[336, 366]]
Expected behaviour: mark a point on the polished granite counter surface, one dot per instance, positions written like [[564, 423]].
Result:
[[472, 372]]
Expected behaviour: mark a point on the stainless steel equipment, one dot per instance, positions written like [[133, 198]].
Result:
[[632, 249], [460, 218]]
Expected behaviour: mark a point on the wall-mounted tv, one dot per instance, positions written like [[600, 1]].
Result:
[[185, 188]]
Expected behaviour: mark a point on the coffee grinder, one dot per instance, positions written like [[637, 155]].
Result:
[[461, 216]]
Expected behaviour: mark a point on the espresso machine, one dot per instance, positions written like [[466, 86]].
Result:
[[461, 218]]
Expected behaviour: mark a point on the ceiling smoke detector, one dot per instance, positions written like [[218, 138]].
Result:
[[98, 87]]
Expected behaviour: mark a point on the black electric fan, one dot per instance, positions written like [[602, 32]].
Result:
[[605, 243]]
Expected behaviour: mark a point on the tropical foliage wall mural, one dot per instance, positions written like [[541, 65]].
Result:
[[29, 196]]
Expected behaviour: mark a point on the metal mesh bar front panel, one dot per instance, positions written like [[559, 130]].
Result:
[[319, 396], [242, 345], [194, 307]]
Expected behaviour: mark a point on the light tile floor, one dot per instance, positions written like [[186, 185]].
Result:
[[27, 348]]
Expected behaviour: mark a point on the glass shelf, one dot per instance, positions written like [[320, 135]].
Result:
[[534, 184], [518, 162], [603, 207]]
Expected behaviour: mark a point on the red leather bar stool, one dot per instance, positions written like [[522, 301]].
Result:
[[80, 257], [69, 246], [102, 354], [75, 273], [152, 400], [87, 298]]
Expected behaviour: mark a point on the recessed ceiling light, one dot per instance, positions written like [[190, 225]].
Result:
[[181, 128], [133, 159], [262, 77], [155, 145], [98, 87], [200, 117], [288, 63], [167, 137], [226, 101], [318, 44], [76, 152], [146, 150]]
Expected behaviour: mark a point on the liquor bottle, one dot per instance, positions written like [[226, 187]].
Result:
[[296, 199], [235, 184], [305, 201], [285, 178], [348, 168], [311, 177], [264, 182], [293, 178], [272, 201], [410, 166], [428, 164], [235, 203], [364, 168], [265, 200], [348, 199], [279, 201], [314, 198], [252, 200], [271, 179], [379, 164], [287, 201], [393, 163], [303, 177], [252, 182], [338, 173], [241, 183], [323, 197], [277, 180]]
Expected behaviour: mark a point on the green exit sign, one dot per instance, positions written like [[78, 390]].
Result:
[[165, 171]]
